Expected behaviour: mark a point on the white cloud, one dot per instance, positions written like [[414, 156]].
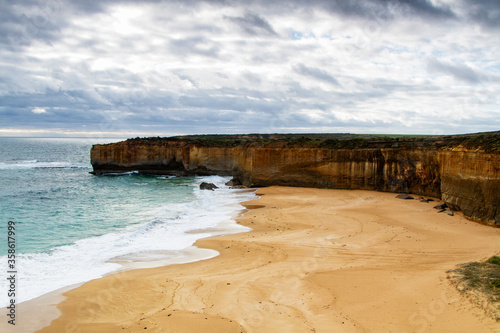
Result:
[[38, 110]]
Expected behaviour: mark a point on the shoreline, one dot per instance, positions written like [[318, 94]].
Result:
[[316, 259], [44, 308]]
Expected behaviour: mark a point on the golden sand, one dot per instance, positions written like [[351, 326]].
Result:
[[317, 260]]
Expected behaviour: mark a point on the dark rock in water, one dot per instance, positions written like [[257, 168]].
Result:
[[441, 210], [233, 182], [424, 200], [441, 206], [404, 196], [207, 186]]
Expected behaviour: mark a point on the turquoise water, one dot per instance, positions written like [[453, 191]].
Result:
[[46, 186], [70, 224]]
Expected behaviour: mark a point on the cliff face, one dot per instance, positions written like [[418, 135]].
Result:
[[470, 182], [467, 180]]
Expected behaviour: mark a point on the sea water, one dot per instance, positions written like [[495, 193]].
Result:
[[72, 226]]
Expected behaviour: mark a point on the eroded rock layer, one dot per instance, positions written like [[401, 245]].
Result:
[[465, 176]]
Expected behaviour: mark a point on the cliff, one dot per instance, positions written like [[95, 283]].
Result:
[[464, 171]]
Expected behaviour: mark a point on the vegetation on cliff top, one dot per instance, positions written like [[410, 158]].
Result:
[[489, 141]]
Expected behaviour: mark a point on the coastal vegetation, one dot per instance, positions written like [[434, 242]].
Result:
[[488, 141], [481, 282]]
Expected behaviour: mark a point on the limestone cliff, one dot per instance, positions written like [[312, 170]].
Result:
[[466, 176]]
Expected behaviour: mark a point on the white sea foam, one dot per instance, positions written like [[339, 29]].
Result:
[[34, 164], [120, 173], [174, 228]]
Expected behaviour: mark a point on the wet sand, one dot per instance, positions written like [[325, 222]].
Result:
[[316, 260]]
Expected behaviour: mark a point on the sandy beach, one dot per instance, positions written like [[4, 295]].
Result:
[[317, 260]]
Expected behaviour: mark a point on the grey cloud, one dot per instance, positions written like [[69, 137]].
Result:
[[194, 45], [459, 71], [253, 24], [135, 98], [24, 118], [188, 78], [232, 99], [91, 7], [316, 73], [424, 8], [21, 22], [364, 9], [72, 99], [484, 12], [252, 78]]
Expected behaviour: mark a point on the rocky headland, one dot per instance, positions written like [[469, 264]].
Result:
[[462, 170]]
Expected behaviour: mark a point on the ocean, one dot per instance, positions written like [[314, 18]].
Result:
[[72, 226]]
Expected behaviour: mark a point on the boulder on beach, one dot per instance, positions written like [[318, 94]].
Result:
[[447, 211], [404, 196], [233, 182], [207, 186], [441, 206]]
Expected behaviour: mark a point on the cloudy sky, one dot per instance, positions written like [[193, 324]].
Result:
[[137, 68]]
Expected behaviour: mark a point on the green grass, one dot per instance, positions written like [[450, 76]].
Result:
[[494, 260]]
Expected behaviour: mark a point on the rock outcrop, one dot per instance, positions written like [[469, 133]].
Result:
[[466, 176], [208, 186]]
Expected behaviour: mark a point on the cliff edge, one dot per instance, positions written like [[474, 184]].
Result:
[[464, 171]]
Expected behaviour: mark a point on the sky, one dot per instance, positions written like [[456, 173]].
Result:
[[159, 68]]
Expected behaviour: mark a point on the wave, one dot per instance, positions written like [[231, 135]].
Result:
[[120, 173], [170, 229], [35, 164]]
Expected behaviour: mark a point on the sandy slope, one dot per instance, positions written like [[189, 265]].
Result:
[[316, 261]]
